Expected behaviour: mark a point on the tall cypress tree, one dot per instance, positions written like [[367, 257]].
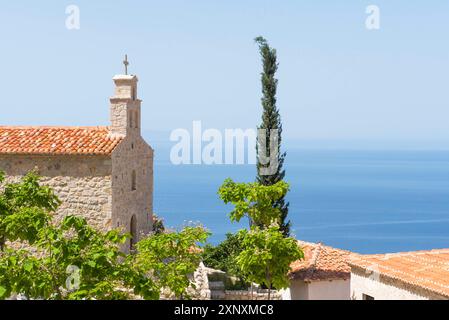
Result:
[[271, 120]]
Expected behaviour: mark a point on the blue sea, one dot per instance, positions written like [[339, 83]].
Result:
[[359, 200]]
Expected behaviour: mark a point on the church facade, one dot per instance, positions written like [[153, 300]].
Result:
[[103, 173]]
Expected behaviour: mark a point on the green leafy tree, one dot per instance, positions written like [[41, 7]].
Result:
[[271, 120], [60, 260], [24, 209], [171, 258], [90, 259], [71, 260], [266, 256], [253, 200]]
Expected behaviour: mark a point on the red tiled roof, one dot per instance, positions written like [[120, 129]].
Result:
[[57, 140], [427, 270], [321, 263]]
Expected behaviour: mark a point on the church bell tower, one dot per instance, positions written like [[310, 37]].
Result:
[[124, 105]]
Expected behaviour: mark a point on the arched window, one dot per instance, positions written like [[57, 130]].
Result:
[[133, 180], [133, 232]]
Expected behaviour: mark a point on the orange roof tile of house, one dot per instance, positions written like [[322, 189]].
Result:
[[428, 270], [57, 140], [321, 263]]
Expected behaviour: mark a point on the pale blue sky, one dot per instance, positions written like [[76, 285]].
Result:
[[196, 60]]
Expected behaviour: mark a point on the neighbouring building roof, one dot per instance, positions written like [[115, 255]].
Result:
[[57, 140], [321, 263], [428, 270]]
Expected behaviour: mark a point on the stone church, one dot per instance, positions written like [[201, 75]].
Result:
[[103, 173]]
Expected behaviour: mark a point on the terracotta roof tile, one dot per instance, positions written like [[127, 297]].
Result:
[[57, 140], [321, 263], [428, 270]]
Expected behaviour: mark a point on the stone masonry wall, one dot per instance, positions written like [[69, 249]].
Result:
[[215, 289], [247, 295], [132, 155], [82, 183]]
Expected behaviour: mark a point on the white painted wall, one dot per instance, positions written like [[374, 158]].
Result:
[[361, 285], [299, 290], [285, 294], [330, 290], [318, 290]]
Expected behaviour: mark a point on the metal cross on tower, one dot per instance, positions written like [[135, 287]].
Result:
[[126, 63]]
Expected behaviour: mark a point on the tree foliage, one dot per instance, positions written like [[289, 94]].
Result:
[[171, 257], [24, 209], [60, 260], [46, 259], [253, 200], [267, 255], [271, 120]]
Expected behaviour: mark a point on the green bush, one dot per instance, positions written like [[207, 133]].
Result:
[[222, 257]]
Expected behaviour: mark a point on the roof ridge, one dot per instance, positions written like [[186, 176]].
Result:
[[316, 254], [324, 246], [407, 253]]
